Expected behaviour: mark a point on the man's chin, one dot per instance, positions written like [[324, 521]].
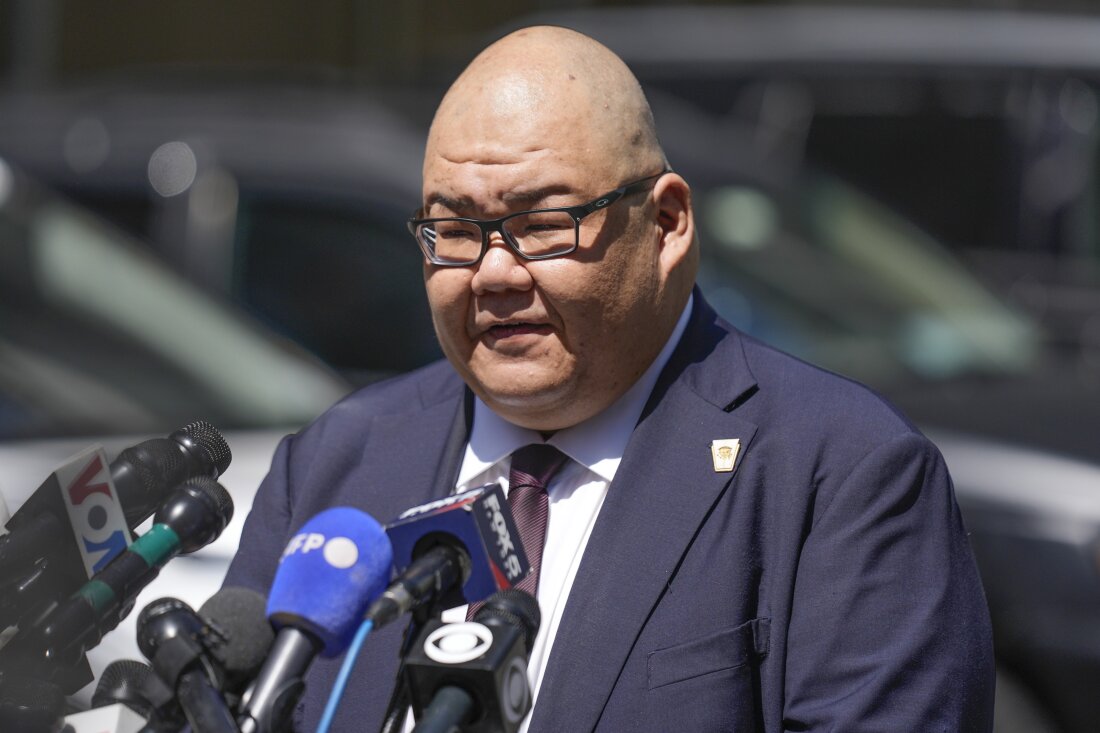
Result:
[[534, 397], [535, 405]]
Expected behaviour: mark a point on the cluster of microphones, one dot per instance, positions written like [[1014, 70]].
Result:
[[71, 568]]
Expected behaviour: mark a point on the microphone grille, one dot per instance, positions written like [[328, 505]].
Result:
[[206, 437], [121, 681], [152, 461], [30, 704]]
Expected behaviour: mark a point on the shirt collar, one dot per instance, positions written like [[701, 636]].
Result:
[[597, 443]]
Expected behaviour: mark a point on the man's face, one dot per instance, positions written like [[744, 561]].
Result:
[[547, 343]]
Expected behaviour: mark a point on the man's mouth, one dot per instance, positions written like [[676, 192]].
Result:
[[509, 330]]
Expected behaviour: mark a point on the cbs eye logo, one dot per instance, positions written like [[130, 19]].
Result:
[[458, 643], [462, 643]]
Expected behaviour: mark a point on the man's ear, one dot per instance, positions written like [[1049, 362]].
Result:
[[675, 219]]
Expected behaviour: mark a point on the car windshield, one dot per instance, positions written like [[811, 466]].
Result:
[[855, 289], [98, 337], [826, 273]]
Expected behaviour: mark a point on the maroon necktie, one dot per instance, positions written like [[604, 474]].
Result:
[[532, 468]]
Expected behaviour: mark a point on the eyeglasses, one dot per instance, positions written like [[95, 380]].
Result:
[[538, 234]]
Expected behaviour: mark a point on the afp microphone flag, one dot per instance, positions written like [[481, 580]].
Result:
[[330, 571]]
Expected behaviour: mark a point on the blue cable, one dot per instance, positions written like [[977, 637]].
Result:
[[342, 678]]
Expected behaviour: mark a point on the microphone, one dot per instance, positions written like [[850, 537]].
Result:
[[174, 638], [138, 480], [473, 675], [455, 550], [121, 703], [145, 473], [330, 570], [29, 704], [123, 682], [235, 635], [81, 516], [242, 638], [191, 518]]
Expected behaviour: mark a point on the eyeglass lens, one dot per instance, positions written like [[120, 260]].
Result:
[[536, 233]]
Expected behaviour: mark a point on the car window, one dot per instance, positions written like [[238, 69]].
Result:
[[99, 337], [345, 281], [837, 279], [826, 273]]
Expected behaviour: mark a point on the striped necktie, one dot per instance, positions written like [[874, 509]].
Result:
[[532, 468]]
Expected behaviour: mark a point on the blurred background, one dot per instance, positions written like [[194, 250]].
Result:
[[202, 213]]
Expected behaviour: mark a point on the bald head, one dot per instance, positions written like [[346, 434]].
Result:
[[543, 85]]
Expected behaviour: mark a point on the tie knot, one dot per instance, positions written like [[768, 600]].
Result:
[[535, 465]]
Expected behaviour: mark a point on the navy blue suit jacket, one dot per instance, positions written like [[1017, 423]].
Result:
[[825, 585]]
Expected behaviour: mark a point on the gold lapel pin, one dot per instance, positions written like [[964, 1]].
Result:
[[724, 452]]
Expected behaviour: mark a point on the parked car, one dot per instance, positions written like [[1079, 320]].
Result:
[[289, 200], [101, 345]]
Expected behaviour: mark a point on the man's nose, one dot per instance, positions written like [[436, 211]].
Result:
[[501, 268]]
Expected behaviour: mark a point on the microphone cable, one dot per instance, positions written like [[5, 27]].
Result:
[[344, 675]]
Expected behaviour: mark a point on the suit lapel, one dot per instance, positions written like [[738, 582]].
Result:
[[663, 491], [422, 448]]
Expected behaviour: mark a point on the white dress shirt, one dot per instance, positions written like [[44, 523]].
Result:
[[576, 493]]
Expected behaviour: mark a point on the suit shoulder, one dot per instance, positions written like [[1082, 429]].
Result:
[[413, 390], [807, 394], [423, 386]]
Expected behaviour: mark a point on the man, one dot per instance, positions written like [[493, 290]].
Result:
[[737, 541]]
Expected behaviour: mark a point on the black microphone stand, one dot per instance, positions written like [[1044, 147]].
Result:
[[400, 700]]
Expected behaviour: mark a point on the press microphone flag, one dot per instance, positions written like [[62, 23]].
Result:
[[81, 516], [115, 718], [330, 571], [473, 675], [452, 551], [80, 497], [191, 518], [70, 528]]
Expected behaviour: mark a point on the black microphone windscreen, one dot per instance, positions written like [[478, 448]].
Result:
[[246, 635]]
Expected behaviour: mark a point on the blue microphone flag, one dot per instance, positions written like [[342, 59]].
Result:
[[481, 521], [331, 570]]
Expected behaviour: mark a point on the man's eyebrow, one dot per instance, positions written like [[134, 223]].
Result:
[[459, 204], [528, 199]]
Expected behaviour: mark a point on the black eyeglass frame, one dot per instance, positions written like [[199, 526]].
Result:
[[577, 213]]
